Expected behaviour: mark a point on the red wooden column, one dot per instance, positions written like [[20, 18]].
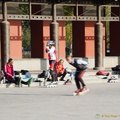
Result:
[[36, 34], [78, 43], [37, 39], [40, 35], [115, 35], [83, 39]]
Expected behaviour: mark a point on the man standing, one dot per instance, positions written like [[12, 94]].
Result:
[[80, 66]]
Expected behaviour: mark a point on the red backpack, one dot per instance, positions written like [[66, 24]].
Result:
[[102, 72]]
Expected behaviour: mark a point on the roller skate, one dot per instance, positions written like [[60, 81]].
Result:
[[67, 82], [52, 85], [77, 92], [112, 80], [81, 92], [84, 90]]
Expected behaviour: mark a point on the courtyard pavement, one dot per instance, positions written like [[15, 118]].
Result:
[[102, 102]]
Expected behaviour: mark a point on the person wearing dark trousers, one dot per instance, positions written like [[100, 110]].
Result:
[[81, 67], [9, 72], [52, 57], [60, 70], [10, 75]]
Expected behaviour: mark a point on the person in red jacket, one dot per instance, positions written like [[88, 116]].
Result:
[[60, 69], [8, 71], [10, 75]]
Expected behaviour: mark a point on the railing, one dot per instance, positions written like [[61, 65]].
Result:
[[60, 18], [102, 2]]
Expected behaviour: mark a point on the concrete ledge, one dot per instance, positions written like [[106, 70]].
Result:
[[37, 64], [27, 64]]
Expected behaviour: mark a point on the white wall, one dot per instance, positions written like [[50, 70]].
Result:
[[42, 64], [27, 64]]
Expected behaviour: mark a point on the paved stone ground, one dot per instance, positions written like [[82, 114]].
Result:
[[39, 103]]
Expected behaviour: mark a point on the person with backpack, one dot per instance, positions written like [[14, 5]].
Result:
[[10, 73], [81, 67]]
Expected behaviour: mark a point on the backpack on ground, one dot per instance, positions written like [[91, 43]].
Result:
[[102, 72], [116, 68], [45, 74]]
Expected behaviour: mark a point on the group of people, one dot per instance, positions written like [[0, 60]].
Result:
[[57, 69]]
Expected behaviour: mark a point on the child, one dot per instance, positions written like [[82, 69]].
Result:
[[60, 70], [80, 66], [51, 50]]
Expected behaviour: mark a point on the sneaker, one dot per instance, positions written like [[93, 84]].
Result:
[[77, 91]]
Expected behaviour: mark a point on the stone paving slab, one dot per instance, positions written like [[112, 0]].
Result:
[[40, 103]]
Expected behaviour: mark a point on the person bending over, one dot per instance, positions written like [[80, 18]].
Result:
[[81, 67]]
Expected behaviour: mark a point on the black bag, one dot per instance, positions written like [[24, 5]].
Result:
[[17, 72], [116, 68], [44, 74], [1, 75], [24, 72]]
